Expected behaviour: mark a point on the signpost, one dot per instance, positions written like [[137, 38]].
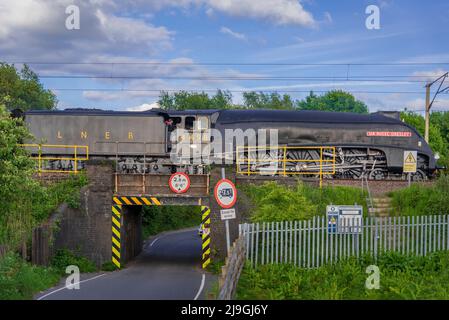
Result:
[[226, 195], [227, 214], [179, 182], [410, 163], [344, 219]]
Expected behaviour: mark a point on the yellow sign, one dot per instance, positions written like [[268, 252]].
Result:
[[410, 161]]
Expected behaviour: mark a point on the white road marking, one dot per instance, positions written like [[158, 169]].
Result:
[[203, 280], [60, 289], [151, 244]]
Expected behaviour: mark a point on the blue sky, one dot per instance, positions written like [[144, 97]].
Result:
[[229, 31]]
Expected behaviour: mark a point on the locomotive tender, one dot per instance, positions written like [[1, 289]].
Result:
[[371, 145]]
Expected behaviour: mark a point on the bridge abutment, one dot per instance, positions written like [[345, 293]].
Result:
[[86, 230]]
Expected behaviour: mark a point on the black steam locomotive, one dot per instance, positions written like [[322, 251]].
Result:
[[363, 145]]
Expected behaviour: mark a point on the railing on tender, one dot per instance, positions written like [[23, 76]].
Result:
[[80, 153]]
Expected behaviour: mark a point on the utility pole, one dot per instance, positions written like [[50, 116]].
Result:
[[426, 131], [430, 103]]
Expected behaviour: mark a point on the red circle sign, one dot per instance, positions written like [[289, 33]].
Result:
[[225, 193], [179, 182]]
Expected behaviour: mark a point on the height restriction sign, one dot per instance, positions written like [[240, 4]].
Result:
[[410, 161], [225, 193], [179, 182]]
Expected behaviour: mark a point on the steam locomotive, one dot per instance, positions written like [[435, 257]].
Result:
[[369, 145]]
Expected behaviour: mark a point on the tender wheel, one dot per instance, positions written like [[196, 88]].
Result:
[[378, 174]]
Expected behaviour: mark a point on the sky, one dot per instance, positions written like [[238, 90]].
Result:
[[125, 51]]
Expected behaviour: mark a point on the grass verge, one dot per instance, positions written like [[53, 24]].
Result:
[[401, 277]]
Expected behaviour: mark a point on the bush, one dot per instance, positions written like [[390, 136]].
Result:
[[276, 202], [108, 266], [21, 280], [423, 200], [48, 198], [401, 277], [64, 258]]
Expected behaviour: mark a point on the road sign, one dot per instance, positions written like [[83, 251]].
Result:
[[344, 219], [350, 219], [227, 214], [332, 222], [179, 182], [410, 161], [225, 193]]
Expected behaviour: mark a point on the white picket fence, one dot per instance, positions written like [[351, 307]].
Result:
[[312, 243]]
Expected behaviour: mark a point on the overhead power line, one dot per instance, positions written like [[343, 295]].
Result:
[[240, 78], [230, 63], [229, 90]]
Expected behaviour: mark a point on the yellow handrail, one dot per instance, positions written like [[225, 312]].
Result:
[[77, 150], [325, 165]]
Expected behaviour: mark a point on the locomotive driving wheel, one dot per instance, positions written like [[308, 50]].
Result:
[[349, 164], [262, 162], [303, 161]]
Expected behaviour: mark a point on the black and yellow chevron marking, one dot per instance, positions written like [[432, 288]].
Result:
[[116, 229], [136, 201], [116, 220], [205, 212]]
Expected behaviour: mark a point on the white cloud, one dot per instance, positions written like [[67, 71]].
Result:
[[144, 107], [277, 11], [280, 12], [31, 28], [233, 34]]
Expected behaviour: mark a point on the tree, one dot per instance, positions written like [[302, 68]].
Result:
[[260, 100], [439, 141], [23, 89], [17, 185], [336, 100], [184, 100]]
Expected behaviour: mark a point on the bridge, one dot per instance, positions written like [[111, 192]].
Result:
[[107, 225]]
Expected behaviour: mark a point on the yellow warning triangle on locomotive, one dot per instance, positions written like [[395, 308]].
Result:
[[410, 158]]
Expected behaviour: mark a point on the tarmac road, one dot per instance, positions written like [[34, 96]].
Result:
[[168, 268]]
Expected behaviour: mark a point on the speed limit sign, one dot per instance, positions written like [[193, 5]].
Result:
[[179, 182]]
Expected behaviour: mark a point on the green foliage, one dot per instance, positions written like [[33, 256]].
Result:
[[401, 277], [276, 202], [157, 219], [184, 100], [280, 203], [260, 100], [21, 280], [16, 169], [108, 266], [23, 89], [215, 266], [438, 131], [423, 200], [336, 100], [47, 198], [64, 258]]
